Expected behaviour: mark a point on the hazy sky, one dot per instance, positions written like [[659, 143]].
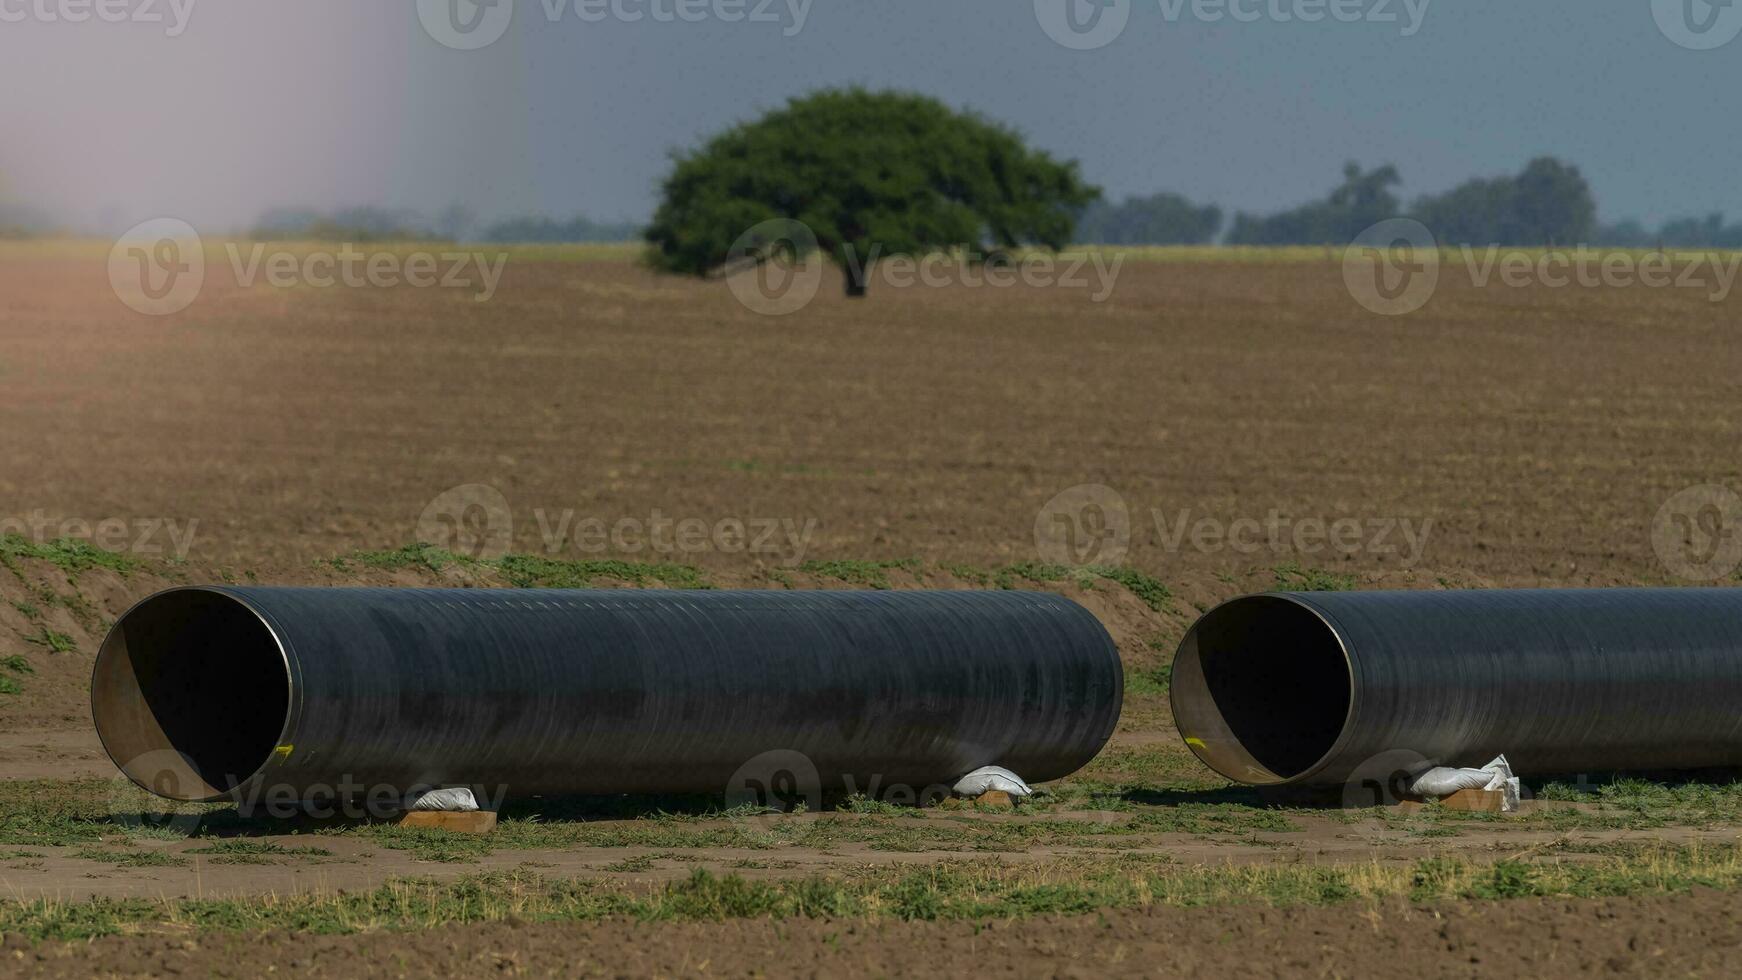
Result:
[[261, 103]]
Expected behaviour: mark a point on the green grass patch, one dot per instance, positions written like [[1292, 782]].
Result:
[[55, 641], [865, 574], [1291, 577], [1154, 594], [131, 859], [635, 863], [1040, 573], [974, 891], [418, 557], [1149, 682], [1145, 587], [10, 686], [58, 813], [241, 850], [968, 573], [70, 555], [528, 571], [427, 844]]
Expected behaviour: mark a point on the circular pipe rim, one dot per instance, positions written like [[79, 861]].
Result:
[[1344, 731], [289, 685]]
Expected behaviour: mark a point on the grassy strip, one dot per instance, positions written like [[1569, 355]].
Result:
[[971, 891], [865, 574], [1154, 594], [528, 571], [532, 571], [1291, 577], [70, 555]]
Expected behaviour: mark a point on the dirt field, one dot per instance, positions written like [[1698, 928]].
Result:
[[1525, 437], [1681, 936], [1539, 429]]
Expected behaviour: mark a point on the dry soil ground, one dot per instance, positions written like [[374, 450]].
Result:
[[1525, 436]]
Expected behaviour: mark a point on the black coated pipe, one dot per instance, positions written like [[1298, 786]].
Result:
[[207, 693], [1316, 688]]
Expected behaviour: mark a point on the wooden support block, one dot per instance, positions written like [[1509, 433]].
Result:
[[1465, 800], [1476, 801], [997, 798], [474, 822]]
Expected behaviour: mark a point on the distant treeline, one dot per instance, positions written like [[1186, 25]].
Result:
[[1163, 219], [1549, 203], [455, 224], [23, 221], [576, 229], [361, 224]]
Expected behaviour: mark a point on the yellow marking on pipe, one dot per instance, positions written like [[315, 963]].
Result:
[[283, 751], [1197, 742]]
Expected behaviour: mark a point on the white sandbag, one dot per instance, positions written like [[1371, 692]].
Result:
[[1505, 782], [458, 800], [1496, 775], [992, 779], [1445, 782]]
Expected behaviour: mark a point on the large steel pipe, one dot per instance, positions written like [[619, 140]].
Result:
[[1311, 688], [205, 693]]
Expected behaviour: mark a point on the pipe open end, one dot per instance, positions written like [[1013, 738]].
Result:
[[1262, 689], [190, 694]]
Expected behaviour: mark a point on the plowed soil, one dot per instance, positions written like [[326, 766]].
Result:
[[1538, 429]]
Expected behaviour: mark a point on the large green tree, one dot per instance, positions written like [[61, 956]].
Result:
[[870, 174]]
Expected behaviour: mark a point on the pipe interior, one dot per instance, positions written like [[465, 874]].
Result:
[[190, 694], [1261, 689]]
